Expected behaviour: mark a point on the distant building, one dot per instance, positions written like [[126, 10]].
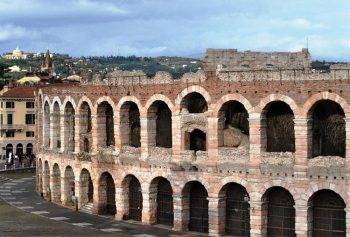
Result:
[[14, 68], [16, 54], [17, 120], [48, 66]]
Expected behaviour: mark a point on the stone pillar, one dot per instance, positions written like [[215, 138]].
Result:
[[144, 137], [257, 136], [63, 132], [117, 135], [347, 146], [78, 194], [52, 131], [96, 197], [77, 133], [212, 141], [149, 212], [177, 136], [55, 187], [302, 143], [181, 212], [215, 219], [301, 220], [257, 218], [347, 211], [94, 133], [121, 203], [39, 129]]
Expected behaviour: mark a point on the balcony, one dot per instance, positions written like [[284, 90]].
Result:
[[12, 127]]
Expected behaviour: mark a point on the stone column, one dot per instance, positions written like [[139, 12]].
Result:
[[215, 218], [63, 132], [302, 143], [257, 217], [94, 133], [117, 135], [96, 197], [149, 212], [78, 194], [256, 138], [55, 187], [347, 146], [181, 213], [301, 220], [77, 129], [347, 211], [212, 141], [121, 203], [144, 137], [52, 131], [177, 136]]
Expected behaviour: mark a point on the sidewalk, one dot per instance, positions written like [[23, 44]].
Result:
[[21, 194]]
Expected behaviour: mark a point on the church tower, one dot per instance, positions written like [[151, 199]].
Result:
[[48, 66]]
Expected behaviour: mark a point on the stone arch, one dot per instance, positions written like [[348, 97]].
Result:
[[56, 183], [326, 214], [106, 193], [56, 126], [234, 209], [129, 114], [161, 201], [68, 186], [323, 185], [68, 99], [160, 97], [188, 90], [85, 125], [159, 124], [86, 187], [196, 205], [69, 126], [133, 99], [46, 124], [326, 128], [85, 99], [105, 122], [58, 100], [325, 95], [132, 197], [277, 127], [231, 97], [277, 97], [278, 212]]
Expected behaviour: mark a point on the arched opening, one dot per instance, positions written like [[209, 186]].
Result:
[[39, 103], [86, 188], [196, 140], [328, 129], [159, 125], [69, 127], [130, 126], [278, 205], [85, 127], [29, 149], [46, 181], [165, 209], [69, 186], [105, 124], [237, 210], [56, 183], [106, 191], [326, 214], [56, 126], [194, 103], [46, 125], [233, 129], [9, 149], [198, 206], [135, 199], [279, 127], [19, 149]]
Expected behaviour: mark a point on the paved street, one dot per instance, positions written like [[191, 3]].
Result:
[[48, 219]]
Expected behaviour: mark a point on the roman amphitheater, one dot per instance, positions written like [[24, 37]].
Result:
[[254, 144]]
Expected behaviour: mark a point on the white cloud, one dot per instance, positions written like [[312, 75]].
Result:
[[10, 32], [297, 23]]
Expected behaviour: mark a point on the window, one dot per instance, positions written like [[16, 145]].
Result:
[[30, 134], [30, 105], [30, 118], [10, 134], [10, 105], [1, 119], [9, 118]]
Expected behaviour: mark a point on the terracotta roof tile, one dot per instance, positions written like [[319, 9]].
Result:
[[20, 92]]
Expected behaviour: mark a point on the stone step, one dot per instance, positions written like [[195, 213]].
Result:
[[87, 208]]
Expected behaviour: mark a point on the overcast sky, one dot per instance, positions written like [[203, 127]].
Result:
[[176, 27]]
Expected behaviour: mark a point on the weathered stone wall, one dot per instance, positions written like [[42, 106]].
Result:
[[249, 165]]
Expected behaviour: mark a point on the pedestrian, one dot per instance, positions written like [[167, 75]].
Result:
[[10, 159]]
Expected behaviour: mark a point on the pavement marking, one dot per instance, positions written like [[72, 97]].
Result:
[[15, 203], [8, 198], [4, 190], [17, 191], [7, 187], [40, 212], [82, 224], [111, 230], [26, 207], [5, 194], [59, 218], [11, 184], [144, 235], [18, 181]]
